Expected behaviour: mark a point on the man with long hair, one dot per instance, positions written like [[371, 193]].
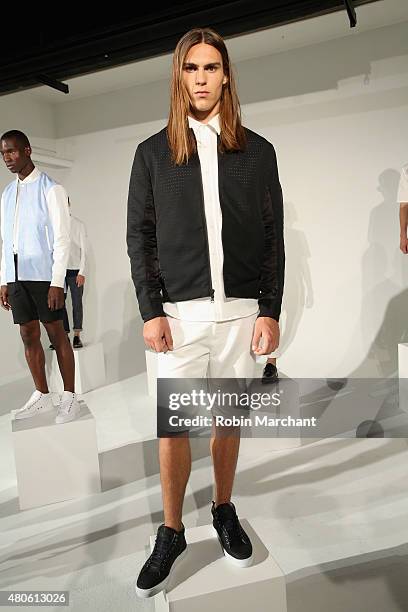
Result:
[[205, 241]]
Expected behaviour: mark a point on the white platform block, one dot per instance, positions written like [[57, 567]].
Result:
[[89, 369], [204, 580], [55, 462], [403, 375]]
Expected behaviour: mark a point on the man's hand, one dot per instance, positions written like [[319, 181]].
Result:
[[404, 244], [80, 280], [157, 335], [4, 298], [55, 298], [266, 330]]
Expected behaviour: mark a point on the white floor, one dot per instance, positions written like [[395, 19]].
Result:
[[336, 513]]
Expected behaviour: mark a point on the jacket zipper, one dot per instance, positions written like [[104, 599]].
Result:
[[205, 226]]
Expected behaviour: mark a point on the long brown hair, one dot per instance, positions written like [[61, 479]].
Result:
[[180, 139]]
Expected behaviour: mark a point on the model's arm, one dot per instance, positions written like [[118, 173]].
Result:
[[273, 267], [402, 198], [57, 201], [3, 290], [142, 251], [3, 257], [83, 245], [141, 240], [403, 218]]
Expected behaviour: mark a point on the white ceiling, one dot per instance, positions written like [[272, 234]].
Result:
[[256, 44]]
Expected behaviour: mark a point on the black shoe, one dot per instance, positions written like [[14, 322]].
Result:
[[170, 546], [76, 343], [235, 543], [270, 374]]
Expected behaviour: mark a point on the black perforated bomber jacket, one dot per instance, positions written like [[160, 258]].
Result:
[[167, 232]]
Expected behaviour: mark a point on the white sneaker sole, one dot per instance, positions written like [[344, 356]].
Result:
[[144, 593], [66, 418], [18, 416], [233, 560]]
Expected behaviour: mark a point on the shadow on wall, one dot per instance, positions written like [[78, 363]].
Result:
[[298, 293], [384, 272], [125, 350], [350, 56]]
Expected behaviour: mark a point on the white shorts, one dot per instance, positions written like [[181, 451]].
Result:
[[209, 349]]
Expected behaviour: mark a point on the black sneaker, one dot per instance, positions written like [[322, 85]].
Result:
[[270, 374], [76, 343], [235, 543], [170, 547]]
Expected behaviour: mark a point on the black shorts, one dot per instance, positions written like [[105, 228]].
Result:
[[29, 302]]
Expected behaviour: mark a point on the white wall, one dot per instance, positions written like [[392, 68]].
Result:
[[337, 113]]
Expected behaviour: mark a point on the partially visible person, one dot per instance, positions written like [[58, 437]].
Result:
[[75, 278], [403, 210], [35, 227], [270, 371]]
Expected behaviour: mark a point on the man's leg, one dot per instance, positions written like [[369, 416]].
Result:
[[65, 355], [77, 308], [175, 468], [224, 448], [231, 358], [65, 315], [189, 359], [231, 363], [30, 333]]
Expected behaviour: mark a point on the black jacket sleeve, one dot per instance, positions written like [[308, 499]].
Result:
[[141, 240], [273, 266]]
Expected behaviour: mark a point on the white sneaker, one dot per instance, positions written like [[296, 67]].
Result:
[[37, 404], [69, 408]]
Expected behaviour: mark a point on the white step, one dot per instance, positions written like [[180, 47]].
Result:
[[204, 580]]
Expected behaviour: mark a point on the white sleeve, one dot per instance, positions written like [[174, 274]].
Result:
[[3, 256], [83, 244], [403, 186], [57, 201]]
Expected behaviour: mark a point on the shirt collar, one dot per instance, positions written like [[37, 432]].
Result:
[[33, 176], [214, 122]]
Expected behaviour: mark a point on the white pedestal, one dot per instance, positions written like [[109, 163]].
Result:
[[55, 462], [403, 376], [89, 369], [205, 580]]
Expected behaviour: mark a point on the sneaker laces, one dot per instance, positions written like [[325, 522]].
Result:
[[162, 546], [229, 520], [66, 404], [36, 396]]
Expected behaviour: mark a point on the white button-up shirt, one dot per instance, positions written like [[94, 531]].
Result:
[[221, 308]]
